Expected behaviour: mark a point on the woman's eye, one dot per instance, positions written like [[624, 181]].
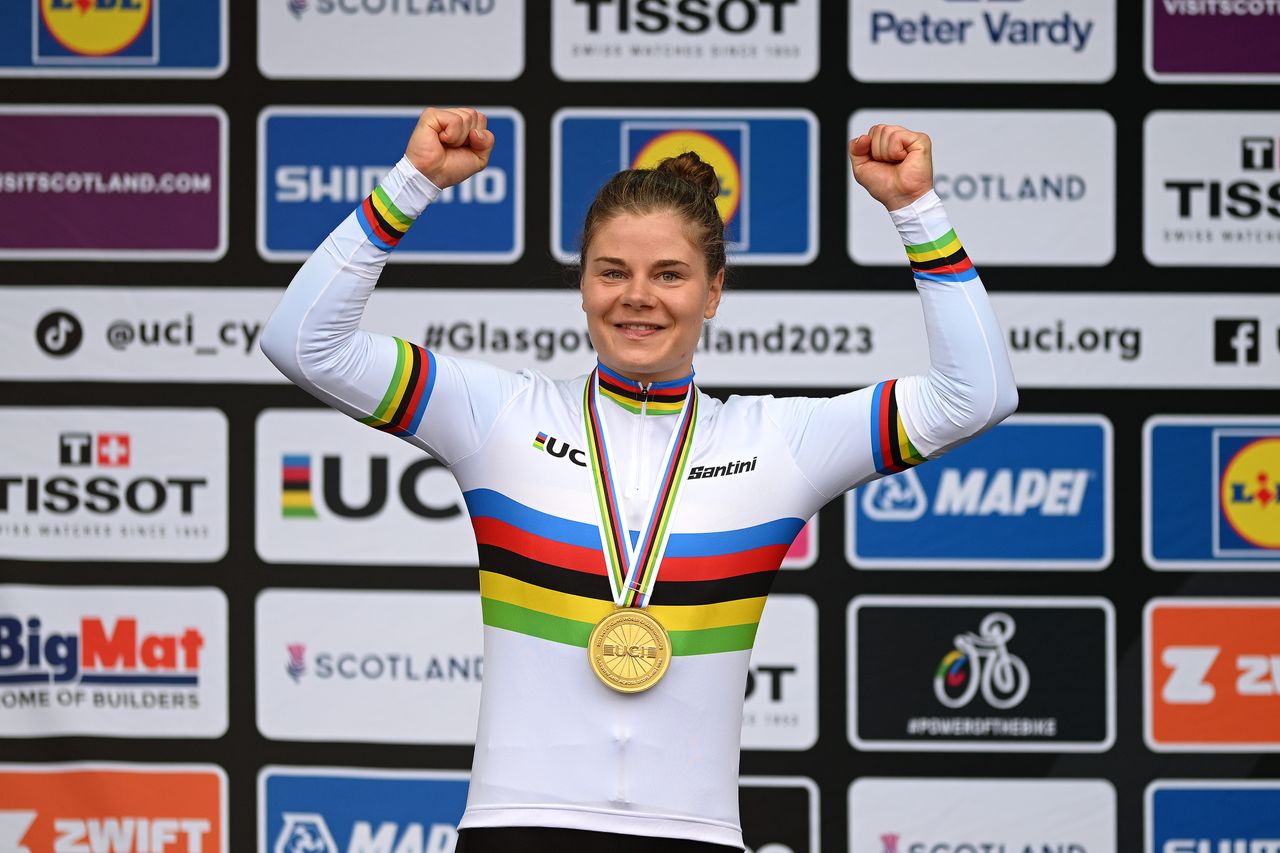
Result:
[[669, 276], [612, 274]]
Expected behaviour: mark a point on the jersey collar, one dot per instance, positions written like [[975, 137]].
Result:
[[663, 398]]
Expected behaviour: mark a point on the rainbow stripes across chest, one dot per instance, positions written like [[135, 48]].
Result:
[[545, 576]]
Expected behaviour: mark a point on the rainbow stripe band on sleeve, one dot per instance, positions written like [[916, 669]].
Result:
[[402, 406], [382, 221], [890, 446], [943, 259]]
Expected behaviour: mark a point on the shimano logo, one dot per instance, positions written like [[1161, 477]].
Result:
[[1223, 845], [706, 472], [350, 184]]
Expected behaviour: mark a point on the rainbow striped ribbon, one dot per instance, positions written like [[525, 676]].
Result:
[[633, 570]]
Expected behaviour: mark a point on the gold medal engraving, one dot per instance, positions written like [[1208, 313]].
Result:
[[629, 650]]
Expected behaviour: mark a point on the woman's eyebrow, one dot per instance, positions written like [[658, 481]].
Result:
[[603, 260]]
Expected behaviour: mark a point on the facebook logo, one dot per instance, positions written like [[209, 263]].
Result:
[[1258, 153], [1235, 341]]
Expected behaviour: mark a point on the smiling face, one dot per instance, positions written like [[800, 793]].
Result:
[[646, 291]]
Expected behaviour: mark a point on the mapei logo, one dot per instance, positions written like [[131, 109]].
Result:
[[298, 499], [1213, 674], [109, 652], [1037, 487], [117, 808], [120, 29]]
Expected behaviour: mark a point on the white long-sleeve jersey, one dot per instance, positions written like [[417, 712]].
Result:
[[554, 746]]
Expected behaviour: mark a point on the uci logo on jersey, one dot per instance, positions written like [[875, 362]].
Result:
[[96, 28], [1035, 494], [307, 810]]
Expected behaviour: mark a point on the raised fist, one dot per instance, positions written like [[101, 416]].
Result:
[[450, 145], [894, 164]]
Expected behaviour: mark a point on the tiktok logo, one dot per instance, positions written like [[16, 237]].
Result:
[[59, 334]]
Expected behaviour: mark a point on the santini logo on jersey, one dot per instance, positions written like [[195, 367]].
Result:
[[704, 472]]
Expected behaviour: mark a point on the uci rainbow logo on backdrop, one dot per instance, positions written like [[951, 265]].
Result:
[[765, 161], [1212, 492], [124, 29]]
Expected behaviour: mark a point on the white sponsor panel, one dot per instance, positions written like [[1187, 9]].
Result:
[[1039, 197], [372, 667], [113, 661], [781, 709], [910, 815], [1211, 195], [698, 41], [332, 490], [759, 340], [391, 39], [1025, 41], [113, 484]]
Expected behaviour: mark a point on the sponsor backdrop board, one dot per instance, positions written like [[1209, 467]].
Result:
[[1033, 493], [370, 667], [779, 814], [1040, 197], [117, 38], [910, 815], [117, 661], [1210, 488], [956, 673], [995, 41], [391, 39], [766, 162], [1186, 814], [125, 197], [81, 806], [111, 484], [781, 708], [1192, 41], [1211, 188], [685, 41], [316, 165], [1212, 674]]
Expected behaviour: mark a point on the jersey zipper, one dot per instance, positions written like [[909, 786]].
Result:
[[637, 482]]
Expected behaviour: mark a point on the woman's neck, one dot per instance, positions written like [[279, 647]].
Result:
[[648, 380]]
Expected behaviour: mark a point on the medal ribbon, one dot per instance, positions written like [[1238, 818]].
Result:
[[633, 570]]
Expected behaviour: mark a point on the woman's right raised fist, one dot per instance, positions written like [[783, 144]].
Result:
[[450, 145]]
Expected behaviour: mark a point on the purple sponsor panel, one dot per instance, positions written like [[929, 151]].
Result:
[[113, 182], [1207, 38]]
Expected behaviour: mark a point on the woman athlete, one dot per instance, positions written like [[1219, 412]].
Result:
[[620, 595]]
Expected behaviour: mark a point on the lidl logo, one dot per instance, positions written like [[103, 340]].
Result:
[[344, 810], [113, 808], [764, 160], [1213, 674], [1035, 492], [1212, 492], [124, 28]]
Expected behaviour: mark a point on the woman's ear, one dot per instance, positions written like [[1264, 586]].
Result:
[[713, 295]]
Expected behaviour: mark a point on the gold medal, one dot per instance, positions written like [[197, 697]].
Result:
[[629, 650]]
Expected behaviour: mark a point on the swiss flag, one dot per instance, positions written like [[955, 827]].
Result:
[[113, 449]]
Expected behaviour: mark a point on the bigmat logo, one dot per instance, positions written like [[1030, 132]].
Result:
[[1203, 816], [117, 38], [330, 490], [982, 816], [1043, 199], [781, 708], [350, 810], [1211, 493], [1034, 493], [681, 40], [766, 161], [1211, 193], [113, 484], [1212, 673], [1230, 41], [315, 166], [374, 667], [132, 662], [113, 808], [314, 39], [991, 674], [779, 814], [125, 197], [1012, 41]]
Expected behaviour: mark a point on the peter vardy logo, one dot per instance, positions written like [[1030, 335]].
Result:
[[1236, 341], [1040, 492], [995, 23]]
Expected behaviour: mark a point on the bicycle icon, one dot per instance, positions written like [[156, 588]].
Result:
[[982, 661]]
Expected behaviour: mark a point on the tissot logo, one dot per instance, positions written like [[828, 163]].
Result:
[[553, 446], [1236, 341], [1227, 199], [1258, 154], [688, 16]]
